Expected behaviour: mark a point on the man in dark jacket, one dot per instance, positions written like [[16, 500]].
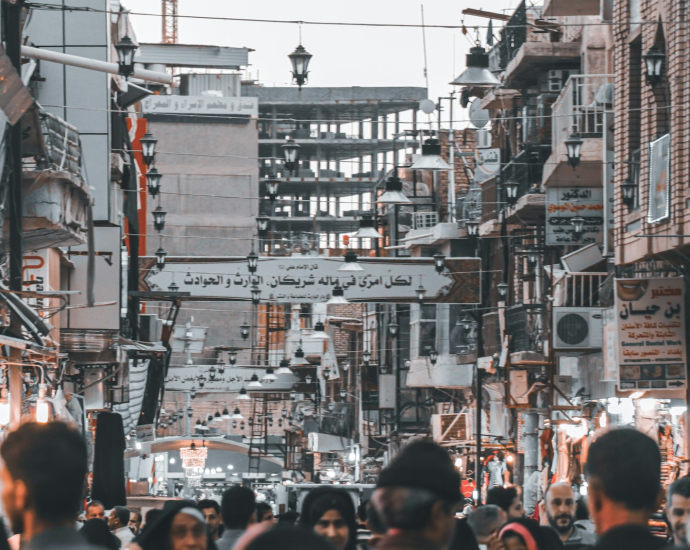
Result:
[[624, 474], [416, 497]]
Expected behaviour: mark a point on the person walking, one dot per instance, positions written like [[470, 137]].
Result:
[[560, 507], [118, 522], [43, 471], [238, 508], [330, 513], [623, 470], [416, 497]]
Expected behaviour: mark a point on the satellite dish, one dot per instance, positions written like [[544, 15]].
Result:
[[427, 106], [478, 116]]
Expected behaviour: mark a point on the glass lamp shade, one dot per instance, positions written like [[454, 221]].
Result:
[[578, 224], [159, 218], [421, 293], [244, 331], [262, 223], [243, 395], [628, 191], [439, 262], [153, 182], [654, 64], [350, 263], [148, 148], [272, 184], [256, 294], [511, 187], [125, 56], [291, 154], [393, 330], [252, 261], [226, 414], [532, 256], [430, 158], [298, 357], [337, 296], [433, 356], [160, 258], [472, 227], [320, 331], [394, 192], [574, 148], [254, 382], [502, 288], [232, 356], [477, 73], [173, 287], [236, 414], [307, 379], [366, 356], [367, 229], [269, 376], [284, 367], [190, 412], [300, 59]]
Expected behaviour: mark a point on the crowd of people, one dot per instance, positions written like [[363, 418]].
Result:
[[413, 507]]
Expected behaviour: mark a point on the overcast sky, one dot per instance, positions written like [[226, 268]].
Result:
[[343, 56]]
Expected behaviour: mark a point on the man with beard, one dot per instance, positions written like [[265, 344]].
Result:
[[678, 510], [560, 505], [43, 475]]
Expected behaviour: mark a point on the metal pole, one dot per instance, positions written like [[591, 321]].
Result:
[[15, 211], [531, 439], [187, 419], [478, 458]]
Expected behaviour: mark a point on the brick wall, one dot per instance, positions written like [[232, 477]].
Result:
[[466, 141]]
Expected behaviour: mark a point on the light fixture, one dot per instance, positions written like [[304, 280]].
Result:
[[394, 192], [331, 406], [256, 294], [393, 330], [366, 356], [319, 331], [190, 412], [431, 157], [269, 376], [307, 379], [226, 414], [284, 367], [203, 427], [244, 330], [578, 223], [243, 396], [42, 409], [477, 73], [532, 256], [291, 154], [628, 191], [472, 227], [252, 261], [421, 291], [262, 224], [351, 263], [173, 287], [159, 218], [327, 372], [337, 296], [254, 382], [148, 148], [300, 65], [284, 412], [153, 181], [160, 258], [573, 149], [511, 187], [502, 288], [439, 262], [212, 372], [236, 414], [367, 228], [433, 356], [654, 63], [125, 56], [217, 417], [272, 183], [293, 395], [232, 356], [466, 322], [343, 394], [298, 357]]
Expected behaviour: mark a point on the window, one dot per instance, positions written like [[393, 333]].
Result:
[[422, 329]]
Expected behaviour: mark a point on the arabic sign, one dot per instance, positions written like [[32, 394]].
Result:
[[225, 379], [651, 333], [565, 203], [659, 168], [310, 279], [488, 163], [200, 105]]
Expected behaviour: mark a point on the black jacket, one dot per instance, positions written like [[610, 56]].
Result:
[[629, 537]]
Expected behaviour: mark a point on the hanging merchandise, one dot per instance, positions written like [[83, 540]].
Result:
[[108, 463]]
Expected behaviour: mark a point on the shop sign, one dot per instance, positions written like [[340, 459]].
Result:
[[659, 170], [488, 164], [232, 379], [565, 203], [145, 433], [200, 105], [650, 315]]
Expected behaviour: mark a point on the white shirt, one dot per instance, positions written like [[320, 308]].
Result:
[[125, 535]]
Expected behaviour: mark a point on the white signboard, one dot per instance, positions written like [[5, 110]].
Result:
[[146, 432], [659, 170], [311, 279], [488, 163], [565, 203], [200, 105], [225, 379], [651, 333]]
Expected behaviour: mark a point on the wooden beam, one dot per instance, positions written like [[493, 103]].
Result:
[[486, 14]]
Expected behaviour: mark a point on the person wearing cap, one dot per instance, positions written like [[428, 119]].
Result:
[[416, 497]]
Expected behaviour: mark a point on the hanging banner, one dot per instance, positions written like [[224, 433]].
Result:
[[651, 333], [565, 203], [488, 164], [659, 169]]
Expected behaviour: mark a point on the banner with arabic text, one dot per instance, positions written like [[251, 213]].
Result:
[[651, 333], [565, 203]]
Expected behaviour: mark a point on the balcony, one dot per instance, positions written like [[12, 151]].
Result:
[[580, 290], [56, 197], [580, 109], [526, 168]]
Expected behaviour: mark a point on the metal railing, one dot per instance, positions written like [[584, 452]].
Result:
[[582, 289], [580, 107]]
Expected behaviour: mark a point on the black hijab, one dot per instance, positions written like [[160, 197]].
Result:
[[97, 532], [321, 500]]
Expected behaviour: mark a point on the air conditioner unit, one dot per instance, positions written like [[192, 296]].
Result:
[[483, 139], [578, 328], [459, 425]]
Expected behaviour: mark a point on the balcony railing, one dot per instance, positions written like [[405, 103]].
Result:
[[580, 107], [581, 289]]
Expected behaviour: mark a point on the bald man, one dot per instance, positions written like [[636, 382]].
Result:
[[560, 511]]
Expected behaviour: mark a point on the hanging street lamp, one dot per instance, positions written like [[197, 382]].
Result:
[[319, 331], [272, 183], [254, 382], [244, 330], [173, 287], [190, 412], [236, 414], [654, 64], [159, 218], [511, 187], [350, 263], [367, 227], [298, 357], [573, 148], [243, 396], [433, 356], [393, 330], [628, 192], [578, 223], [256, 294], [291, 153], [125, 56], [148, 148], [421, 291], [160, 258], [394, 192], [232, 356], [472, 226], [477, 73], [252, 261], [431, 157], [226, 414], [153, 181], [439, 262], [262, 224], [300, 59], [269, 376], [337, 296], [532, 256], [502, 288], [284, 367], [366, 357]]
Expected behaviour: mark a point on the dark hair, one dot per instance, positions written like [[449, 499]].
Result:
[[545, 537], [237, 507], [289, 517], [288, 537], [374, 522], [581, 511], [122, 514], [406, 507], [503, 497], [321, 500], [96, 532], [678, 487], [261, 509], [151, 516], [463, 537], [362, 510], [485, 519], [95, 503], [209, 503], [51, 461], [626, 465], [138, 514]]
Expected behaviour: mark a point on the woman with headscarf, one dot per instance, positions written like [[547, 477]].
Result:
[[97, 532], [180, 526], [526, 534], [330, 513]]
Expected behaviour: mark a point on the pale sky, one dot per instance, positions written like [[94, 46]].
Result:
[[343, 56]]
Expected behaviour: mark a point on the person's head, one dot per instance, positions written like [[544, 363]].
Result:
[[524, 534], [486, 521], [151, 516], [463, 537], [95, 510], [211, 510], [264, 512], [560, 508], [180, 525], [287, 537], [678, 509], [96, 532], [119, 517], [374, 524], [289, 517], [419, 491], [623, 470], [507, 499], [134, 521], [188, 530], [238, 507], [43, 474], [330, 513]]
